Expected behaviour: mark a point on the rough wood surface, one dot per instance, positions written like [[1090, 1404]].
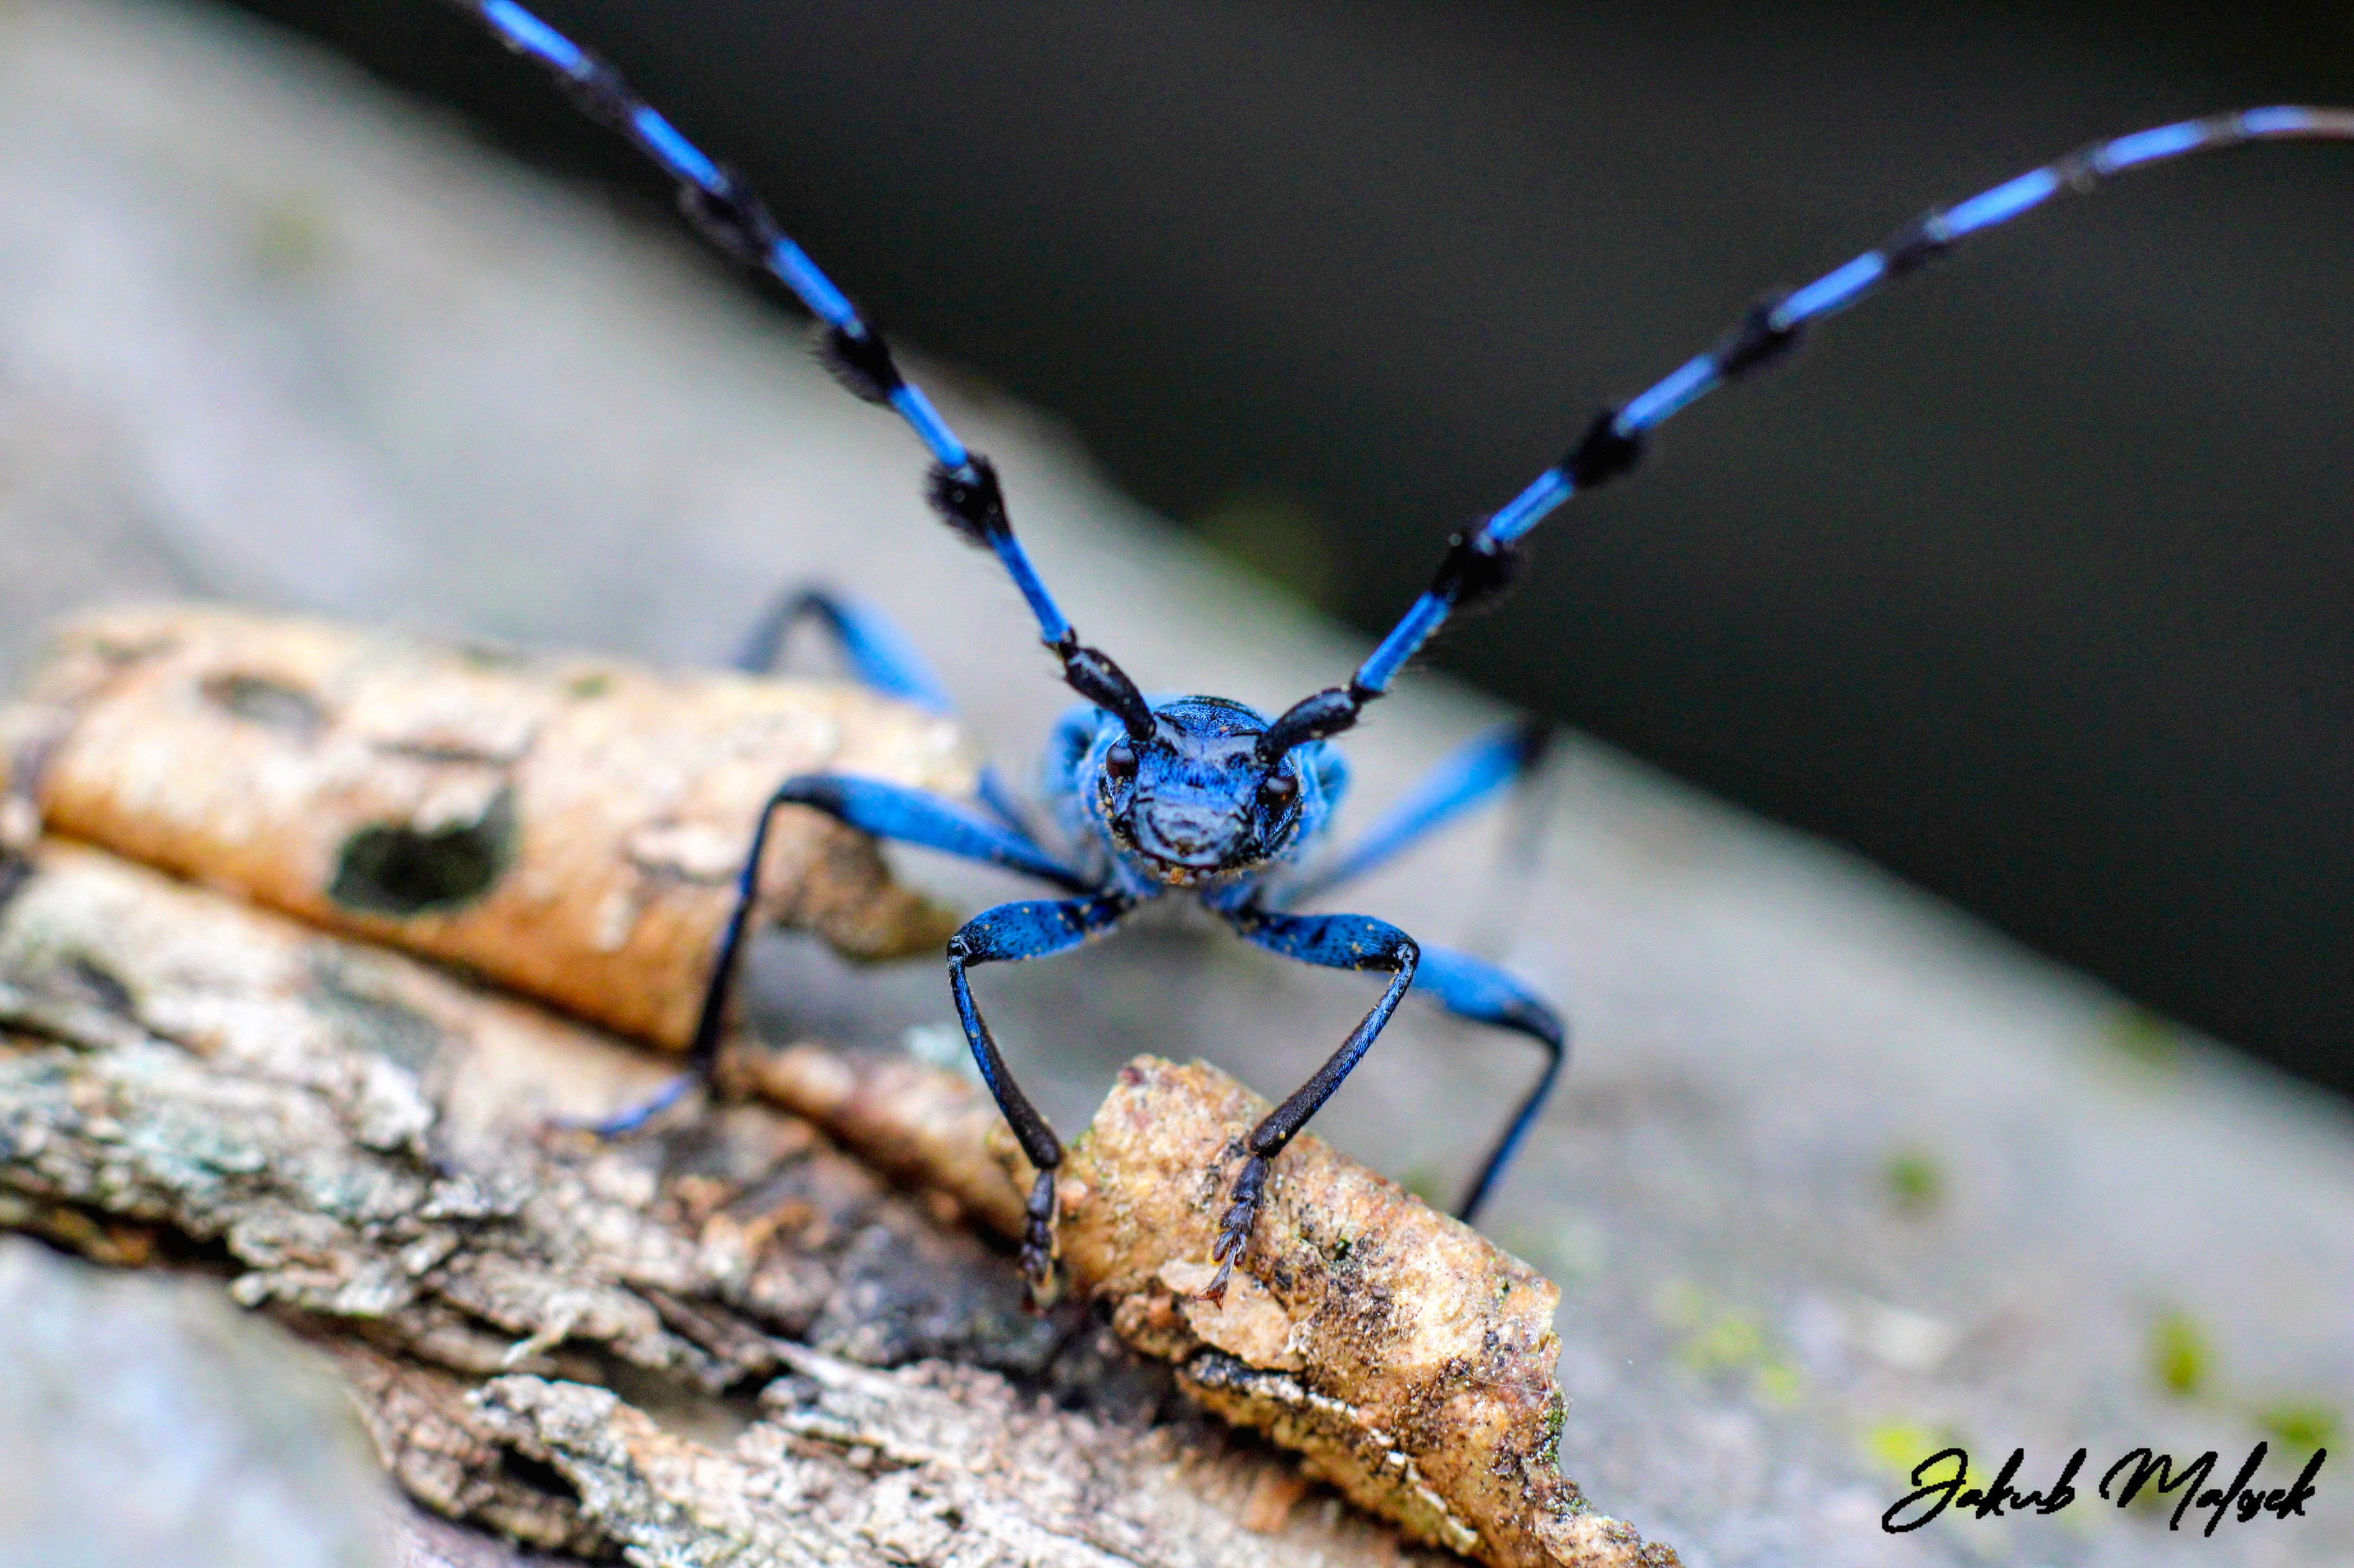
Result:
[[569, 827], [356, 1141], [1407, 1357]]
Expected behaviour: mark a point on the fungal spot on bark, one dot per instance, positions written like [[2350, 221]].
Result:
[[100, 986], [369, 1021], [272, 703], [394, 868], [131, 650], [15, 871], [491, 656], [443, 750]]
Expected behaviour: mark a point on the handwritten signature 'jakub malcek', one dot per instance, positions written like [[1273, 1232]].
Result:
[[2121, 1484]]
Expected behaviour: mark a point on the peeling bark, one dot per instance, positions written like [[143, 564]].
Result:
[[570, 828], [928, 1464], [914, 1121], [557, 1339]]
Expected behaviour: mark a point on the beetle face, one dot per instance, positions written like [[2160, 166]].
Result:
[[1194, 805]]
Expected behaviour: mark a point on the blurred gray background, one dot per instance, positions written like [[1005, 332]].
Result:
[[2035, 582]]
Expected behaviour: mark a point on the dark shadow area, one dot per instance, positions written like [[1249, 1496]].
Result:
[[2034, 582]]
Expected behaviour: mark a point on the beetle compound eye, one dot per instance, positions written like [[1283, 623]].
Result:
[[1120, 761], [1279, 790]]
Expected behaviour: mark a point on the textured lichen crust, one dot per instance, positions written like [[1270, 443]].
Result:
[[1410, 1359], [535, 1325]]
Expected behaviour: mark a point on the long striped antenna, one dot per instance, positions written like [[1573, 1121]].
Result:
[[1480, 562], [963, 487]]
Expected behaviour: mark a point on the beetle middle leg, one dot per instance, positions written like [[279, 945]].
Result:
[[1475, 989], [1330, 941], [880, 656], [1465, 778], [886, 810]]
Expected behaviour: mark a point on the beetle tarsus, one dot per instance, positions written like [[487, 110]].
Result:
[[1038, 1245], [1235, 1228]]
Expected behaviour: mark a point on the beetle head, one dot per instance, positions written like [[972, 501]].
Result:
[[1194, 804]]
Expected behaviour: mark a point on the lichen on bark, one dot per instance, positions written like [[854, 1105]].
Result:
[[658, 1345]]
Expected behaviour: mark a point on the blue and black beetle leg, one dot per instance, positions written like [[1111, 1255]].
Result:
[[1456, 981], [1008, 934], [1475, 989], [1463, 779], [887, 811], [1333, 942], [882, 659]]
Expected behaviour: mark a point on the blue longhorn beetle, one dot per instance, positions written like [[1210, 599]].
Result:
[[1205, 795]]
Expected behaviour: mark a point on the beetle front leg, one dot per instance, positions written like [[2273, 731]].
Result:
[[1008, 934], [1329, 941]]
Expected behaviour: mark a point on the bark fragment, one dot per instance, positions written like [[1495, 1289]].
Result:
[[568, 827], [930, 1465], [912, 1120], [1407, 1357]]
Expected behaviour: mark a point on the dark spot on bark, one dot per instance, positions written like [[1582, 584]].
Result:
[[1095, 1374], [537, 1475], [442, 753], [272, 704], [905, 1291], [492, 656], [1425, 1421], [1221, 1373], [368, 1021], [392, 868], [101, 986], [16, 874], [133, 651]]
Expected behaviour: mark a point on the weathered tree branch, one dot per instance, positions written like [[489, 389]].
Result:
[[364, 1138], [189, 1081], [250, 1094]]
